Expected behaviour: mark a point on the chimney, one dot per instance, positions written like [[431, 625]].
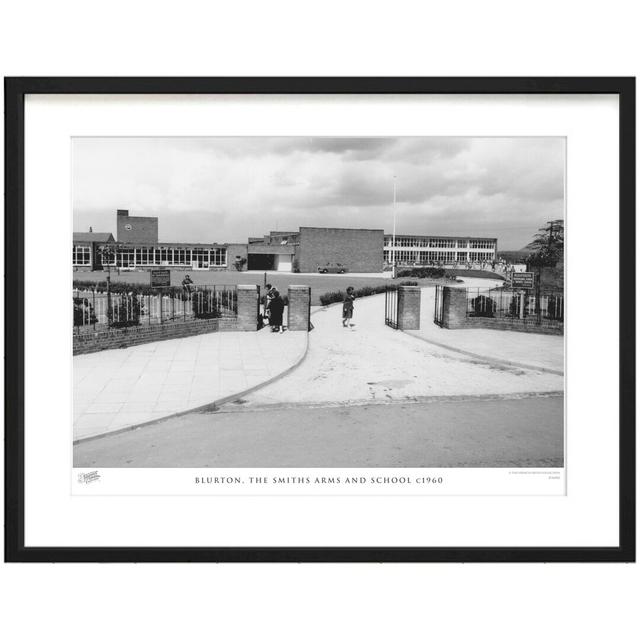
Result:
[[90, 229]]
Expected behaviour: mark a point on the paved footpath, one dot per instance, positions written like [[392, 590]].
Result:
[[118, 388], [529, 349], [371, 363]]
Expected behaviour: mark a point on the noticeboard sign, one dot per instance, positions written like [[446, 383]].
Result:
[[523, 280], [160, 278]]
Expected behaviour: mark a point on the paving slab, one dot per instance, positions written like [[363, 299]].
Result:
[[121, 388], [530, 350]]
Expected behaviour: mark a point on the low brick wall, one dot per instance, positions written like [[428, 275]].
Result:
[[131, 336], [507, 324], [454, 316]]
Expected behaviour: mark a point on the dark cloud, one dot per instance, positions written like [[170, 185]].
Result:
[[360, 148], [231, 187]]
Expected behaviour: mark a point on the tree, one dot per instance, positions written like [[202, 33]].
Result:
[[547, 245], [547, 250], [240, 262], [108, 255]]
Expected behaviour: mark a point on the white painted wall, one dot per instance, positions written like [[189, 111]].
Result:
[[283, 263]]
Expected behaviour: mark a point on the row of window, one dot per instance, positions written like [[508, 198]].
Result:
[[149, 256], [81, 256], [482, 255], [437, 256], [439, 243], [420, 256], [146, 256], [481, 244]]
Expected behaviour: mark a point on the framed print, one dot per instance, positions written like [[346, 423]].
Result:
[[320, 319]]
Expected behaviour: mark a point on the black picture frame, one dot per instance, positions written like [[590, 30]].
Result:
[[15, 91]]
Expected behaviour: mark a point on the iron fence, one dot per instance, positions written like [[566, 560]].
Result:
[[391, 307], [438, 313], [529, 307], [98, 310]]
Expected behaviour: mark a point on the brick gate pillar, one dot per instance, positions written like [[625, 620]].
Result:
[[247, 307], [454, 308], [299, 309], [408, 307]]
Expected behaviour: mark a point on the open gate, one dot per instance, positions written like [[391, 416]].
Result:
[[260, 318], [438, 312], [391, 308]]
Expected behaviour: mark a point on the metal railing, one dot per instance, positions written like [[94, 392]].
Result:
[[391, 307], [99, 310], [529, 307], [438, 312]]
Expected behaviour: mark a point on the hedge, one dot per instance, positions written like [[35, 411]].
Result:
[[338, 296], [127, 287], [421, 272], [140, 289]]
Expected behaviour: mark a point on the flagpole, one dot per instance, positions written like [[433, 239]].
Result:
[[393, 248]]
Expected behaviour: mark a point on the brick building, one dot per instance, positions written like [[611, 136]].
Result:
[[136, 229], [308, 250], [86, 256], [358, 250]]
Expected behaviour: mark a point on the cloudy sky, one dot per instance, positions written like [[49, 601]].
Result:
[[226, 189]]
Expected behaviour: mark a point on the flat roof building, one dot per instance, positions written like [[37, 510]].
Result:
[[310, 249], [419, 249]]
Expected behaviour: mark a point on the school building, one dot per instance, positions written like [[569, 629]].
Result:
[[309, 249], [410, 250]]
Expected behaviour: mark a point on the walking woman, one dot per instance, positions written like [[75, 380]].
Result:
[[347, 307], [276, 309]]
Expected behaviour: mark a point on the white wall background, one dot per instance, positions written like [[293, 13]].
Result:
[[322, 38]]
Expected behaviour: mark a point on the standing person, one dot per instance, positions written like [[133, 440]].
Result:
[[347, 307], [271, 292], [276, 309], [186, 285]]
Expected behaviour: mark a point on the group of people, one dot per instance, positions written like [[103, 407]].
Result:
[[274, 305], [274, 309]]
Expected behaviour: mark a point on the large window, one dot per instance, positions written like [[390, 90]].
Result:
[[218, 257], [482, 255], [481, 244], [401, 256], [442, 243], [81, 256], [126, 257], [438, 256], [144, 256], [182, 257]]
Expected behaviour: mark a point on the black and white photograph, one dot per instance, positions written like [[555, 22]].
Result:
[[318, 303], [347, 343], [318, 320]]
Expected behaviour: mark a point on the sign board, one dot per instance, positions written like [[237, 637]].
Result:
[[523, 280], [160, 278]]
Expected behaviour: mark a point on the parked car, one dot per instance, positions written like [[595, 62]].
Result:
[[332, 267]]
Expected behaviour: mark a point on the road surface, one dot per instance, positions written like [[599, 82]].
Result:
[[520, 431]]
